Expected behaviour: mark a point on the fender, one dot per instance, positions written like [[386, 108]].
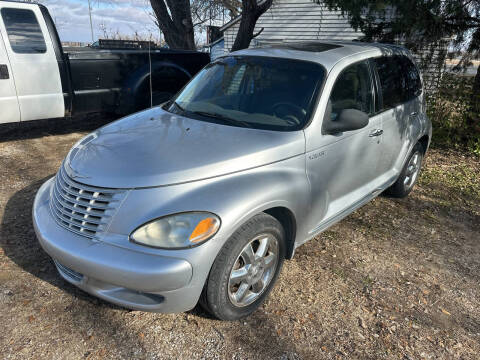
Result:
[[131, 87], [234, 198]]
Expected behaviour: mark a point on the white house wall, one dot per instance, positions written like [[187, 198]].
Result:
[[297, 20], [303, 20]]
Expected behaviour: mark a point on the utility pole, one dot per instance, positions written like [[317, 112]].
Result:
[[90, 14]]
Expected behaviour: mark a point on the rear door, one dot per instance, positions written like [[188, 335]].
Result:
[[33, 61], [10, 111], [401, 90]]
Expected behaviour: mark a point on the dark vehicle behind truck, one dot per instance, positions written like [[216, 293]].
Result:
[[39, 79]]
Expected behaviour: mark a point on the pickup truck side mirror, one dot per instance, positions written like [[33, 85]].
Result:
[[347, 120]]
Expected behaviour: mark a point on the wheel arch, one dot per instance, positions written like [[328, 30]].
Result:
[[143, 74], [285, 217], [424, 141], [137, 81]]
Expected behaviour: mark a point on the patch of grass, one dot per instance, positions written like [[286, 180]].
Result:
[[461, 177], [340, 273]]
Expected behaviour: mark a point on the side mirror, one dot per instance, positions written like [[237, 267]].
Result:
[[347, 120]]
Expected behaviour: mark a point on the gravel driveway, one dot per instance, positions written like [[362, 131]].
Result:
[[396, 279]]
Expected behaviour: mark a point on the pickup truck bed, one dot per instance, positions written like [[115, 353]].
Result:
[[119, 80]]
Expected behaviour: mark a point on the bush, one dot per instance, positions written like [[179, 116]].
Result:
[[449, 109]]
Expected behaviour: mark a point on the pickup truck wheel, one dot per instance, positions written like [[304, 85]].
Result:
[[245, 269], [409, 175]]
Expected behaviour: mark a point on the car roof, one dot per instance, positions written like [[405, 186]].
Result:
[[326, 53]]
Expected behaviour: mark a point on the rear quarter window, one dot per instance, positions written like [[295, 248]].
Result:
[[414, 82], [23, 30]]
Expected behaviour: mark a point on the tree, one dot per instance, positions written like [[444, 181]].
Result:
[[420, 23], [177, 19], [251, 11], [174, 18]]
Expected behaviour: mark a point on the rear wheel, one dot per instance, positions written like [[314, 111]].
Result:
[[246, 269], [409, 175]]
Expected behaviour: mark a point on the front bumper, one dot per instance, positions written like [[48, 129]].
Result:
[[128, 278]]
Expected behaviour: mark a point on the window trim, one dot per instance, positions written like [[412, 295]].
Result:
[[378, 87], [3, 11]]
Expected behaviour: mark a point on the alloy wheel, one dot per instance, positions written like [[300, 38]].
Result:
[[253, 270]]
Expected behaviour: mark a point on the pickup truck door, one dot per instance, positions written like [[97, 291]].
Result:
[[342, 168], [8, 96], [33, 62]]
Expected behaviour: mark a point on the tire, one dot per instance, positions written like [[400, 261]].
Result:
[[409, 175], [238, 271]]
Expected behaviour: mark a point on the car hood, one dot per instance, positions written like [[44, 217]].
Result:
[[157, 148]]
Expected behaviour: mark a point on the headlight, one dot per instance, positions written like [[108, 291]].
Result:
[[177, 231]]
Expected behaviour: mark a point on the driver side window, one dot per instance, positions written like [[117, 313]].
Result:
[[353, 89]]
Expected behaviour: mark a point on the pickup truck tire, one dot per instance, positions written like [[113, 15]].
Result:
[[409, 175], [245, 269]]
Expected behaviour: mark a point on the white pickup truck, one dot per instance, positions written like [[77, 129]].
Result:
[[39, 80]]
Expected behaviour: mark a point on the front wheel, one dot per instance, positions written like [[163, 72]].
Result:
[[246, 269], [409, 175]]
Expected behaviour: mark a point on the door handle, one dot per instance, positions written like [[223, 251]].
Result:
[[376, 132], [4, 72]]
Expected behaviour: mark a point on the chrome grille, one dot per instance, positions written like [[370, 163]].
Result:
[[80, 208]]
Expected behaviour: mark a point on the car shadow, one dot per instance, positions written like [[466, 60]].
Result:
[[39, 128], [20, 244]]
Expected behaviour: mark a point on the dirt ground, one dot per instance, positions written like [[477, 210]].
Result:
[[397, 279]]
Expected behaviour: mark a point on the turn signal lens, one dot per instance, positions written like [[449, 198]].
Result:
[[205, 228]]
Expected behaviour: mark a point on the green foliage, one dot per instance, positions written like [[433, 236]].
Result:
[[455, 125], [417, 21]]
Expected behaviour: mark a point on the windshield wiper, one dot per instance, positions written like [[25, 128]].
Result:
[[224, 119], [178, 106]]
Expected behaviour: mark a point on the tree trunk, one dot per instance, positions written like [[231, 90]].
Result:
[[175, 22], [251, 11]]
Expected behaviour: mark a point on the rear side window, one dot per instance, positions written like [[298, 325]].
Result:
[[23, 31], [392, 83], [399, 80]]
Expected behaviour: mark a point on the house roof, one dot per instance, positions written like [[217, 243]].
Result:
[[235, 20]]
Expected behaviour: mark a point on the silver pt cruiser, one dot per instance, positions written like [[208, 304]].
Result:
[[202, 199]]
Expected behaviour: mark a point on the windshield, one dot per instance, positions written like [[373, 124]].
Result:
[[252, 91]]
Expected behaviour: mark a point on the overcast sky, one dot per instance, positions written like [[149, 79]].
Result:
[[126, 16]]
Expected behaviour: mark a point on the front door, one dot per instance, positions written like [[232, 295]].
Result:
[[10, 111], [343, 169], [33, 62]]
